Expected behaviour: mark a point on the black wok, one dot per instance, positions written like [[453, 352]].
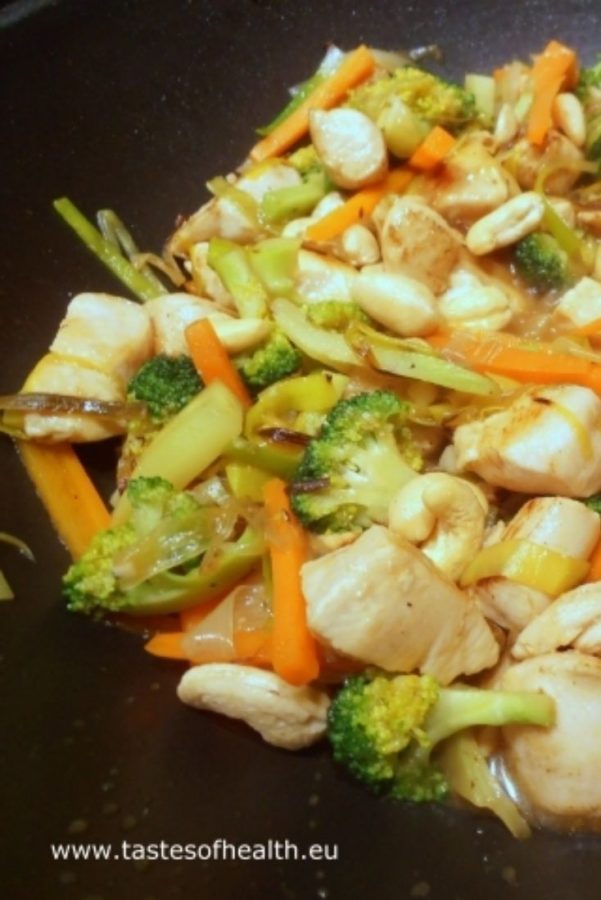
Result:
[[134, 105]]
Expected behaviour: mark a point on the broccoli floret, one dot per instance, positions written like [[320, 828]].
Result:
[[594, 503], [589, 92], [166, 384], [431, 99], [384, 729], [363, 454], [541, 262], [335, 314], [161, 521], [275, 360]]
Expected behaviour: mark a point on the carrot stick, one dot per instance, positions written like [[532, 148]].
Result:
[[433, 149], [500, 356], [358, 206], [167, 645], [64, 487], [294, 649], [192, 617], [555, 66], [254, 647], [594, 573], [354, 68], [211, 359]]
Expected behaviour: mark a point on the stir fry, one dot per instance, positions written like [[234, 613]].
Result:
[[358, 493]]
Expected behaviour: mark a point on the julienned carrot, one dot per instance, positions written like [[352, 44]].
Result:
[[358, 206], [354, 68], [64, 487], [594, 573], [555, 67], [211, 359], [251, 647], [167, 645], [433, 149], [500, 356], [294, 650]]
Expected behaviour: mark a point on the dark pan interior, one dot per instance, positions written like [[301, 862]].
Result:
[[134, 105]]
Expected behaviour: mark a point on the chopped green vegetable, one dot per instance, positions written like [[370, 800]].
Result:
[[334, 314], [166, 384], [541, 262], [275, 360], [291, 202], [275, 261], [232, 264]]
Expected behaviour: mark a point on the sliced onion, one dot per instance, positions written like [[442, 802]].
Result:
[[21, 546], [212, 640], [165, 265], [67, 404], [252, 610], [390, 59]]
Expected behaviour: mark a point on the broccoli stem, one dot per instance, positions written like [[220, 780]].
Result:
[[303, 90], [292, 202], [459, 708], [275, 263], [232, 264], [139, 284]]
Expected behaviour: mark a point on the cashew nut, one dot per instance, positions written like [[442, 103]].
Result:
[[402, 304], [445, 515], [350, 146], [568, 115], [284, 715], [504, 226], [359, 246], [470, 303]]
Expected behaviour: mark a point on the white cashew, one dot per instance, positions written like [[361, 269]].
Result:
[[568, 115], [359, 246], [402, 304], [471, 303], [284, 715], [350, 146], [504, 226], [445, 515]]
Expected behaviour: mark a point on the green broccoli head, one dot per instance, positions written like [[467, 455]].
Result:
[[335, 314], [362, 455], [541, 262], [432, 100], [150, 564], [166, 384], [594, 503], [273, 361], [384, 728]]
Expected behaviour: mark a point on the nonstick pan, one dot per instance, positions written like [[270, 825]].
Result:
[[134, 105]]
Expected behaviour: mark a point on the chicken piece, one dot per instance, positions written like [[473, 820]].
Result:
[[472, 183], [323, 278], [55, 375], [470, 302], [547, 442], [573, 620], [350, 146], [402, 304], [416, 241], [172, 313], [556, 770], [108, 333], [381, 601], [555, 522], [528, 161], [226, 217], [284, 715], [581, 305]]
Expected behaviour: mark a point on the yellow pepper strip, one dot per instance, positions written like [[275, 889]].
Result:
[[529, 564], [317, 392], [65, 489]]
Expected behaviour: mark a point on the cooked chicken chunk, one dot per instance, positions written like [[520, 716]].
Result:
[[547, 441], [323, 278], [529, 161], [573, 620], [581, 305], [472, 183], [350, 146], [100, 343], [108, 333], [382, 601], [556, 770], [558, 523], [416, 241], [284, 715], [172, 313]]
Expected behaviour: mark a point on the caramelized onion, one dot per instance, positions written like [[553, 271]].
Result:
[[66, 404]]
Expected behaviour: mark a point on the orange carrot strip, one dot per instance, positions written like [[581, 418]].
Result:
[[354, 68], [358, 206], [192, 617], [211, 359], [168, 645], [294, 651], [556, 66], [254, 647], [593, 328], [433, 149], [64, 487], [498, 356]]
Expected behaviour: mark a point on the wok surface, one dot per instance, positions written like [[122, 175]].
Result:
[[134, 105]]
